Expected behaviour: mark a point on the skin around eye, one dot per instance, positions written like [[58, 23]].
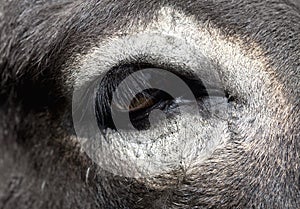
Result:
[[155, 138], [169, 143]]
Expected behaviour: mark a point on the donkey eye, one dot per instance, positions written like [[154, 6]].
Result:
[[145, 100], [142, 101], [150, 106], [140, 105]]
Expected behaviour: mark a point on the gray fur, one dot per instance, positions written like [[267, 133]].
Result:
[[40, 167]]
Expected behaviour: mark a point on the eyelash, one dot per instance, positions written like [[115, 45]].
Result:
[[160, 100]]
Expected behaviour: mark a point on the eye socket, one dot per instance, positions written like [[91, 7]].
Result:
[[144, 102], [181, 134], [175, 140]]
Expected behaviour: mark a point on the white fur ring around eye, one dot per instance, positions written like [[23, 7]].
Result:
[[168, 145]]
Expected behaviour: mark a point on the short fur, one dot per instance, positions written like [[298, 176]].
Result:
[[41, 168]]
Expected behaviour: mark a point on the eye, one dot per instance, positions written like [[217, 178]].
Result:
[[145, 100], [142, 103], [147, 110]]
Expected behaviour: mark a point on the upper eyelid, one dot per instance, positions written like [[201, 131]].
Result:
[[199, 48], [152, 48], [152, 43]]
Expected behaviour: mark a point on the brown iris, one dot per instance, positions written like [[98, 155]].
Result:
[[141, 101]]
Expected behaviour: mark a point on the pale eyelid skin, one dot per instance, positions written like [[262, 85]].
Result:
[[179, 39]]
